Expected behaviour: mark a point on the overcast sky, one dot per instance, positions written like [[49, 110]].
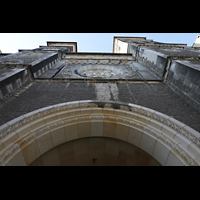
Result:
[[87, 42]]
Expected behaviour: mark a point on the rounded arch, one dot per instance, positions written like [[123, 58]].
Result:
[[167, 140], [95, 151]]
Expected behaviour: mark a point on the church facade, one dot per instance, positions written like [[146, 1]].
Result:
[[138, 106]]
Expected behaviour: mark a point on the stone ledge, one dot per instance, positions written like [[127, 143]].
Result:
[[11, 80]]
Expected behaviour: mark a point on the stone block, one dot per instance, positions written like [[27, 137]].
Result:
[[135, 136], [96, 128], [122, 132], [45, 143], [161, 152], [50, 118], [84, 129], [194, 151], [58, 136], [148, 143], [9, 139], [173, 160], [17, 160], [39, 122], [31, 152], [169, 132], [183, 141], [109, 129], [71, 132]]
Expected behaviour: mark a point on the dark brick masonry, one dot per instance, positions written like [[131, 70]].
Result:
[[160, 98], [40, 95], [155, 96]]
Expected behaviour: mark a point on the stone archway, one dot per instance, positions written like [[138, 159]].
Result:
[[167, 140]]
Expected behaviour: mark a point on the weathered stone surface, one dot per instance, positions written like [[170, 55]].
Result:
[[23, 57], [184, 79], [128, 71], [155, 96], [151, 77], [160, 98], [11, 80], [154, 61], [145, 60], [176, 64]]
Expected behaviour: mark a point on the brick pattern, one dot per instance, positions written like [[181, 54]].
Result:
[[155, 96]]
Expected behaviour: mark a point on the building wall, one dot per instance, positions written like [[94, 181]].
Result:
[[185, 81], [12, 80], [120, 47], [158, 103], [154, 61]]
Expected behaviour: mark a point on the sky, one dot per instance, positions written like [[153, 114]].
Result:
[[86, 42]]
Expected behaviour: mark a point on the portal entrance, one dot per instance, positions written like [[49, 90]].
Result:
[[38, 135], [95, 151]]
